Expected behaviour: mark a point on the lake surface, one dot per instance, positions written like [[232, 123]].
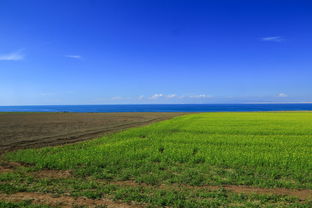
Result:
[[160, 108]]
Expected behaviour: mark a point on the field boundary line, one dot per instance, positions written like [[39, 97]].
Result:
[[302, 194], [63, 201]]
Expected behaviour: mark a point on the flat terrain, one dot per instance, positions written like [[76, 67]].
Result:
[[24, 130], [258, 159]]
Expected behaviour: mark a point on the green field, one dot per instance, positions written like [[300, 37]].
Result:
[[173, 162]]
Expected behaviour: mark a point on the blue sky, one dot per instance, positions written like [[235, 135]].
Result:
[[156, 51]]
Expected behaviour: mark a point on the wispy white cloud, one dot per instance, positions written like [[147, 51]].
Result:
[[160, 95], [141, 97], [14, 56], [117, 98], [156, 96], [200, 96], [281, 95], [73, 56], [273, 39], [174, 96], [171, 96]]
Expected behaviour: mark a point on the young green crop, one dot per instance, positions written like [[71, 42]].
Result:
[[264, 149]]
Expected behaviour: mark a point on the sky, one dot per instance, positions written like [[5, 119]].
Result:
[[64, 52]]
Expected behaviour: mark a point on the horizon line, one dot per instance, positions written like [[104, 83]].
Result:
[[244, 103]]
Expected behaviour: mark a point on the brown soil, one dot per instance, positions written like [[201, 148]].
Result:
[[53, 174], [63, 201], [24, 130], [6, 167], [5, 170]]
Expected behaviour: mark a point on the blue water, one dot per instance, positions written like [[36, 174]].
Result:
[[159, 108]]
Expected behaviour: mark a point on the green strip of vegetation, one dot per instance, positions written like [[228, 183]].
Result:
[[150, 196]]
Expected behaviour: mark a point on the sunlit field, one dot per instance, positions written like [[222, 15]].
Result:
[[197, 154]]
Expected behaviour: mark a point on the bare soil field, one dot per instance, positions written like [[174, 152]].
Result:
[[24, 130]]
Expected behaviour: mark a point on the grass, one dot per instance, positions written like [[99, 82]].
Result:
[[261, 149], [150, 196], [24, 204]]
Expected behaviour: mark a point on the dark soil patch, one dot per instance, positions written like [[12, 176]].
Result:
[[25, 130]]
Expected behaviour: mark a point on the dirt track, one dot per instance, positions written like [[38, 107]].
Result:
[[64, 201], [24, 130]]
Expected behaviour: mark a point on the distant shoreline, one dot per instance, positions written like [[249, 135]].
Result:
[[160, 108]]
